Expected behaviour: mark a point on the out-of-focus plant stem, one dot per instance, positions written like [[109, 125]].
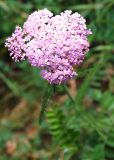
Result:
[[46, 98]]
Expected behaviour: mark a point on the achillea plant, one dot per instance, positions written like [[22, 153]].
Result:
[[55, 44]]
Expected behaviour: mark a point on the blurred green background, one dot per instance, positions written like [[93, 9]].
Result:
[[80, 130]]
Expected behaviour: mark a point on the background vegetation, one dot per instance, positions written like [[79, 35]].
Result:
[[81, 128]]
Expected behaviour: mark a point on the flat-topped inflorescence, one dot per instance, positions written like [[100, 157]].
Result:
[[55, 44]]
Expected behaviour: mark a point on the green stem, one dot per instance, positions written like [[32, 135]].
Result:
[[47, 96], [68, 93], [80, 111]]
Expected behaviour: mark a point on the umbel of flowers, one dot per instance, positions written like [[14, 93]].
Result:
[[55, 44]]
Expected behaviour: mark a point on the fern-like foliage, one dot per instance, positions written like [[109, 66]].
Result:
[[59, 130]]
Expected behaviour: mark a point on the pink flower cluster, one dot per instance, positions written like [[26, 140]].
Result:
[[55, 44]]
